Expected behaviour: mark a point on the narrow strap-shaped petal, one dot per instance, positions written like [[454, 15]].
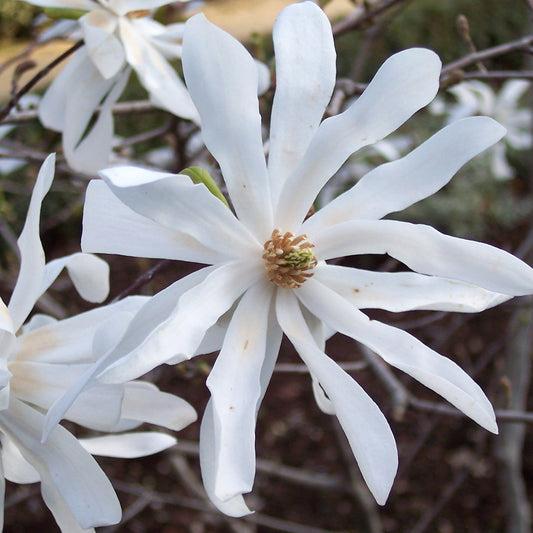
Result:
[[16, 468], [6, 322], [128, 445], [222, 79], [122, 7], [2, 494], [91, 152], [155, 73], [149, 318], [89, 274], [405, 291], [41, 384], [111, 227], [210, 441], [235, 387], [52, 109], [425, 250], [104, 48], [29, 282], [70, 477], [180, 332], [402, 350], [405, 83], [175, 202], [396, 185], [144, 402], [305, 77], [235, 506], [70, 341], [366, 428]]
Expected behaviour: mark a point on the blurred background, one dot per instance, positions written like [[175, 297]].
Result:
[[454, 477]]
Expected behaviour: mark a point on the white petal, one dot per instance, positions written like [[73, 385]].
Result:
[[52, 108], [146, 403], [91, 153], [89, 273], [235, 506], [181, 332], [425, 250], [111, 227], [128, 445], [222, 79], [105, 50], [175, 202], [6, 322], [16, 468], [396, 185], [305, 77], [405, 83], [155, 73], [366, 428], [2, 495], [405, 291], [122, 7], [70, 477], [41, 384], [235, 389], [69, 341], [28, 287], [401, 350]]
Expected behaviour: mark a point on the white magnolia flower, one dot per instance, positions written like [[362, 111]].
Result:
[[43, 359], [477, 98], [119, 35], [268, 273]]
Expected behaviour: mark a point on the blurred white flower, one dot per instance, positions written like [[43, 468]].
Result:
[[45, 358], [119, 35], [268, 273], [478, 98]]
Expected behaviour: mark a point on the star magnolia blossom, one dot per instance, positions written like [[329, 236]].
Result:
[[268, 273], [43, 359], [119, 35], [477, 98]]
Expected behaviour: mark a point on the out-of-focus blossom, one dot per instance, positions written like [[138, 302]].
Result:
[[478, 98], [119, 35], [268, 273], [43, 359]]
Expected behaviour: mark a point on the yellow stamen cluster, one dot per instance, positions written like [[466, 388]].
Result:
[[289, 259]]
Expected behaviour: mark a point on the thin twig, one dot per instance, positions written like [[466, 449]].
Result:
[[361, 16], [4, 112], [141, 280], [399, 394], [304, 369], [359, 489], [471, 59], [291, 474]]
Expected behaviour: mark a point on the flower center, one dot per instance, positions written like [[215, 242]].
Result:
[[289, 259]]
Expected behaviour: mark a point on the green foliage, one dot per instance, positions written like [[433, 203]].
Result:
[[16, 19]]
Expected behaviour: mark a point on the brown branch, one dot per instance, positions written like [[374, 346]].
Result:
[[523, 44], [141, 280], [4, 112], [360, 17]]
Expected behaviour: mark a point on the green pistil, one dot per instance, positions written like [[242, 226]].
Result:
[[299, 259]]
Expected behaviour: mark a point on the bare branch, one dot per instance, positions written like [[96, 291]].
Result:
[[4, 112]]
